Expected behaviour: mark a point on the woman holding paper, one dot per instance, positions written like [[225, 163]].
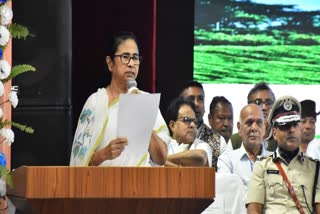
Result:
[[96, 142]]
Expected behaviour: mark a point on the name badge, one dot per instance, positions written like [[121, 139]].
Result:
[[272, 171]]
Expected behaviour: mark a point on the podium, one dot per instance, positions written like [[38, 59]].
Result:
[[62, 189]]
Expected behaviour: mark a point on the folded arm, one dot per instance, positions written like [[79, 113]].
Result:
[[196, 157], [158, 149]]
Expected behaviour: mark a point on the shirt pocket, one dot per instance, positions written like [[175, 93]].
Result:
[[274, 186], [303, 187]]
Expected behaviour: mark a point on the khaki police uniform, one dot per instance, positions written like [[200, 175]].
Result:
[[267, 186]]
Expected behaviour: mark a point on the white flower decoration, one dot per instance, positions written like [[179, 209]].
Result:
[[5, 14], [4, 35], [8, 135], [5, 69], [1, 113], [13, 98], [1, 89]]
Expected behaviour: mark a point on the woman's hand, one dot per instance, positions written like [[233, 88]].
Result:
[[110, 152], [115, 148]]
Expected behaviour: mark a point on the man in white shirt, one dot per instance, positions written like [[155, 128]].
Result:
[[184, 149], [309, 145], [261, 95], [251, 129]]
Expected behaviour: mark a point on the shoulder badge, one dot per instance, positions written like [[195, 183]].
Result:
[[264, 157], [310, 158]]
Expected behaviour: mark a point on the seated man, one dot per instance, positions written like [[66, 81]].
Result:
[[287, 181], [261, 95], [220, 116], [309, 145], [251, 128], [184, 149], [194, 92]]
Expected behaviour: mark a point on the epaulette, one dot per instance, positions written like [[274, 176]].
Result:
[[259, 158], [311, 158]]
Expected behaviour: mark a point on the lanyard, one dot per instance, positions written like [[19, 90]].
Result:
[[290, 187]]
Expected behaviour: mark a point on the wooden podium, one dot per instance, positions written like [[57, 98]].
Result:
[[115, 189]]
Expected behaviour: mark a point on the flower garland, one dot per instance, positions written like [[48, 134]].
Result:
[[9, 30]]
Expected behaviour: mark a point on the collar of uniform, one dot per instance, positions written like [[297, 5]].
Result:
[[300, 156], [276, 156]]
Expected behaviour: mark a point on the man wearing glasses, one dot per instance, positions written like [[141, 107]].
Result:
[[184, 149], [261, 95]]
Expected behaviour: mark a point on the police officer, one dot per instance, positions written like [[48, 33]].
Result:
[[286, 169]]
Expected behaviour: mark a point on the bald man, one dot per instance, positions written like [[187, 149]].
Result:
[[251, 127]]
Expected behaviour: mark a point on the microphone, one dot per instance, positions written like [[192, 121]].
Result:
[[131, 86]]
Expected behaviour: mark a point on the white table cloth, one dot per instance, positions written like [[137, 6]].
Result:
[[230, 195]]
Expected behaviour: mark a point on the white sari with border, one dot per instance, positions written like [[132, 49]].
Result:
[[97, 126]]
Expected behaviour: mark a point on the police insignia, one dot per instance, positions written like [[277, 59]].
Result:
[[287, 105]]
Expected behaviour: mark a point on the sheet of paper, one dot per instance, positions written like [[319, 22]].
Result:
[[136, 119]]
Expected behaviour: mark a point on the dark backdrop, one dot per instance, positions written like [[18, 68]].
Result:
[[44, 96], [174, 48]]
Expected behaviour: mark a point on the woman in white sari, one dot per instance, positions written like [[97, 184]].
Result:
[[95, 142]]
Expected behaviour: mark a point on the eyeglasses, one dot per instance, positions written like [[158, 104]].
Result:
[[125, 58], [188, 120], [260, 102]]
